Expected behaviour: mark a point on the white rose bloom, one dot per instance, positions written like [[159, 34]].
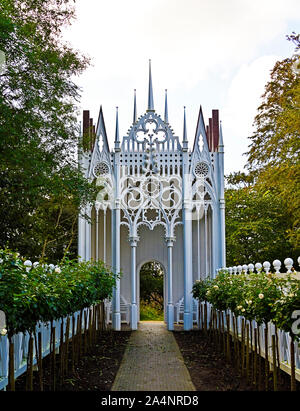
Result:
[[3, 331], [216, 287], [57, 270], [1, 261], [243, 310], [261, 296]]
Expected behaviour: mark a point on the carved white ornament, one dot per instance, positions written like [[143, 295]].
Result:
[[201, 169], [101, 169]]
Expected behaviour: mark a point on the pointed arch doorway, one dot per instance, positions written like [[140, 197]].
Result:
[[151, 278]]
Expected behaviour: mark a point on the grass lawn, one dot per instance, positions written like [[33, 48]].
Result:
[[149, 312]]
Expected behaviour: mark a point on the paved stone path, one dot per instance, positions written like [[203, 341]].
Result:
[[152, 362]]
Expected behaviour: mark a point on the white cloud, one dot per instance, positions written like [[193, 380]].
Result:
[[196, 47], [243, 98]]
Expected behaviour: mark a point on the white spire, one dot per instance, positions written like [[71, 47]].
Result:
[[221, 143], [166, 107], [184, 141], [117, 139], [134, 106], [150, 91]]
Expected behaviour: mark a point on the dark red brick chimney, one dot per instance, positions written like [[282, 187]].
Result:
[[215, 129]]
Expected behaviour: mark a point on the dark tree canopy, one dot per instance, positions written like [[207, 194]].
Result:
[[40, 184]]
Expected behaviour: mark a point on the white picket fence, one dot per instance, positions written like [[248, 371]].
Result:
[[284, 338], [21, 346]]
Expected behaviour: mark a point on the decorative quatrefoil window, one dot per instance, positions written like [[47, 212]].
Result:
[[201, 169], [100, 169]]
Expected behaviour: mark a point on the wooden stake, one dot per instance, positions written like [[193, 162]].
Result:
[[247, 353], [66, 365], [293, 373], [266, 359], [274, 362], [205, 317], [237, 343], [61, 352], [53, 360], [255, 358], [228, 337], [38, 353], [40, 361], [29, 373], [278, 355], [259, 360], [11, 365], [80, 333], [243, 347], [85, 338], [73, 342]]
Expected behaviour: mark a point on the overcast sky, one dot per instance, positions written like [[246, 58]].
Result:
[[217, 53]]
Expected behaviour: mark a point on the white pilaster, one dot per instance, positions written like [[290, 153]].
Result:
[[170, 306], [97, 206], [116, 314], [187, 245], [133, 311], [104, 235], [81, 238], [198, 242], [88, 242], [206, 241]]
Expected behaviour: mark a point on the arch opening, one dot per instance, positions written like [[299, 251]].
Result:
[[152, 288]]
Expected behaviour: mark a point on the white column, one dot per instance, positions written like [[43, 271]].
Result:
[[88, 235], [81, 237], [104, 235], [188, 268], [222, 235], [187, 241], [116, 316], [215, 242], [116, 320], [170, 306], [206, 242], [97, 206], [133, 311], [198, 242]]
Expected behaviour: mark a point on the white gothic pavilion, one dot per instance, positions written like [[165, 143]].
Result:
[[158, 201]]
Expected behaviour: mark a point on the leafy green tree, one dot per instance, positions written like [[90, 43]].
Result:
[[257, 224], [152, 284], [39, 179], [274, 154]]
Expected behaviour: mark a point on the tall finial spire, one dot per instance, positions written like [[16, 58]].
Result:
[[221, 142], [117, 138], [150, 91], [184, 141], [166, 107], [134, 106]]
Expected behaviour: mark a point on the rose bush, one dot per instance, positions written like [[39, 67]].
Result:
[[29, 294], [261, 296]]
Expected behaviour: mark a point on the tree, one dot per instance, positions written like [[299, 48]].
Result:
[[152, 283], [39, 177], [256, 224], [274, 152]]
